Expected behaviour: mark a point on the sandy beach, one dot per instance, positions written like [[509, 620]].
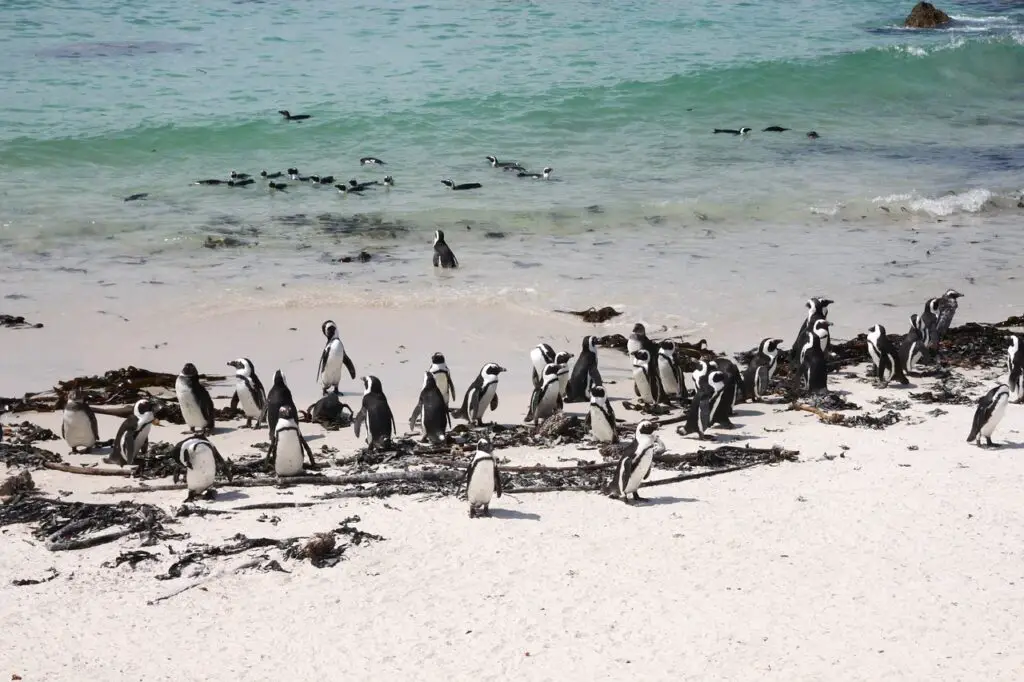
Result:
[[879, 554]]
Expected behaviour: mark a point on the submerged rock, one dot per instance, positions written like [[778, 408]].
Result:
[[926, 15]]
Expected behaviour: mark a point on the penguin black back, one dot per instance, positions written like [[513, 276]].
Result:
[[278, 396], [443, 255]]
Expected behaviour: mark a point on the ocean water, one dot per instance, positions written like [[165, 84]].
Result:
[[921, 135]]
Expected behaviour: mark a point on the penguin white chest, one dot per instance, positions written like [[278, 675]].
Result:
[[246, 400], [547, 405], [201, 474], [486, 396], [668, 376], [643, 385], [563, 380], [997, 415], [644, 459], [332, 367], [141, 438], [78, 429], [189, 403], [441, 379], [873, 351], [600, 428], [481, 483], [288, 458]]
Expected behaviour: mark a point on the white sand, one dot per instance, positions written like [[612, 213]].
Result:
[[864, 561]]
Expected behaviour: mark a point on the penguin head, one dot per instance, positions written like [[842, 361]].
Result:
[[744, 131], [646, 428], [293, 171], [189, 370], [448, 183], [388, 181], [279, 379], [493, 160], [1012, 338], [143, 411], [329, 329], [876, 331], [550, 373], [933, 305], [438, 237], [915, 321], [813, 135], [437, 358], [243, 365], [717, 379], [286, 412], [492, 370], [770, 347], [314, 178], [76, 397], [590, 344], [952, 293], [484, 448], [564, 357], [371, 384], [639, 329], [667, 348], [353, 183], [640, 358], [821, 328], [597, 392], [547, 171]]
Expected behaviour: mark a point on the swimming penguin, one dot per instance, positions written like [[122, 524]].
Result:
[[271, 176], [733, 131], [249, 392], [759, 374], [371, 161], [482, 480], [210, 181], [278, 186], [333, 358], [288, 116], [442, 377], [278, 396], [480, 395], [990, 410], [78, 425], [1015, 366], [443, 256], [389, 182], [287, 446], [643, 382], [293, 173], [601, 417], [813, 368], [235, 175], [376, 413], [432, 407], [240, 183], [775, 129], [634, 466], [505, 165], [929, 321], [540, 357], [562, 359], [947, 309], [911, 346], [817, 308], [466, 185], [194, 400], [546, 399], [888, 365], [136, 197], [199, 459], [584, 373], [132, 437], [544, 175]]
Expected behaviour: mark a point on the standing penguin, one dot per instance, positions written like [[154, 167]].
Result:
[[442, 377], [733, 382], [249, 392], [707, 400], [376, 413], [443, 256], [584, 373], [601, 416], [817, 309], [670, 375], [912, 347], [541, 356], [279, 396], [813, 367], [643, 382], [199, 458], [287, 446], [194, 400], [132, 437], [929, 321], [333, 359], [562, 360], [483, 480], [761, 370], [78, 425], [638, 340], [433, 408], [480, 395], [546, 399], [888, 365], [946, 310], [634, 466], [990, 410], [1015, 366]]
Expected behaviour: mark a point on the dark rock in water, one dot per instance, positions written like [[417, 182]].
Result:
[[136, 197], [926, 15], [362, 257], [13, 322], [593, 315], [224, 242]]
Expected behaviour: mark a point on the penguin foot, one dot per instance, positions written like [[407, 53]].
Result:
[[472, 512], [487, 511], [636, 496], [210, 494], [989, 443], [112, 459]]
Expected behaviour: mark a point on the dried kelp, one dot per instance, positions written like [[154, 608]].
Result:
[[18, 322], [593, 315], [29, 456]]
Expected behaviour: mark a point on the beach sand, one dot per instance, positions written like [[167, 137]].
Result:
[[880, 554]]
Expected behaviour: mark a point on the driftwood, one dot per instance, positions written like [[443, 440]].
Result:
[[356, 479], [88, 471]]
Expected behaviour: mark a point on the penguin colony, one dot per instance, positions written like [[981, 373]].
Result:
[[707, 395]]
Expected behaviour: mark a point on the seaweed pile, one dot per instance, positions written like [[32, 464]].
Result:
[[18, 322]]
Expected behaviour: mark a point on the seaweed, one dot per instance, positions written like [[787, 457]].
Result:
[[13, 322], [594, 315], [23, 455]]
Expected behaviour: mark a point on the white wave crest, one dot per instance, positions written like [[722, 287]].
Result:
[[971, 201]]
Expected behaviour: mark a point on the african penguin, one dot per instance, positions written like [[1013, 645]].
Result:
[[333, 358], [442, 377], [638, 340], [733, 382], [541, 356], [643, 382], [194, 400], [670, 374], [1015, 366], [375, 413], [634, 466], [888, 365], [249, 392], [78, 425], [707, 400], [481, 394], [287, 446], [817, 308], [584, 373], [759, 374], [947, 309], [929, 321], [601, 417], [483, 480], [278, 396], [197, 456], [562, 359], [443, 256], [911, 346], [432, 409], [813, 367], [546, 399], [132, 437], [990, 410]]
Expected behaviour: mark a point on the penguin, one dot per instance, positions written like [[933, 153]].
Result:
[[288, 116], [271, 176], [443, 256], [990, 410], [546, 399], [670, 375], [278, 396], [389, 182], [601, 417], [466, 185], [278, 186], [481, 394], [813, 368], [249, 392], [813, 135], [543, 175], [733, 131], [1015, 367], [78, 426], [817, 308], [194, 400], [483, 480], [235, 175], [505, 165], [634, 466], [643, 382], [136, 197], [240, 183], [540, 357], [376, 413], [888, 364], [707, 399], [584, 373], [733, 382], [775, 129], [371, 161], [210, 181], [329, 410], [287, 446], [929, 321], [332, 359], [947, 309], [912, 346], [442, 377], [759, 374], [432, 407], [637, 340], [198, 458], [132, 437], [562, 359]]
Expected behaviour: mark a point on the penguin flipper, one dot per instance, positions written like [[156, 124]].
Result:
[[979, 421], [357, 423], [437, 259], [471, 404], [233, 406], [309, 450], [349, 366], [323, 361], [415, 416], [703, 416], [626, 466], [92, 423], [494, 401], [497, 481]]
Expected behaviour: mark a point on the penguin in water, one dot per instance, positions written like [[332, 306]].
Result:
[[912, 347], [333, 358], [432, 407], [194, 400], [132, 437], [758, 377], [375, 413], [546, 399], [947, 309], [643, 382], [929, 321], [480, 395], [287, 446], [670, 374], [990, 411], [249, 392], [817, 308], [601, 417], [888, 365], [562, 359], [483, 480], [200, 462], [78, 425], [813, 368], [634, 466], [443, 256], [541, 356], [584, 373], [1015, 366], [442, 377]]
